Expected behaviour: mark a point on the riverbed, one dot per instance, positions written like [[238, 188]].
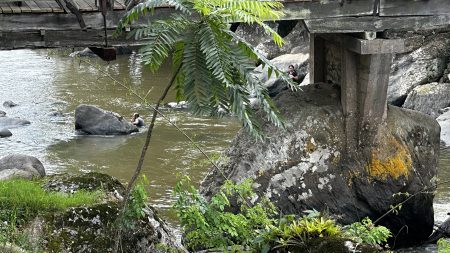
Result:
[[48, 85]]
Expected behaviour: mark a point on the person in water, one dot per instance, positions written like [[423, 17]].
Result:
[[137, 120]]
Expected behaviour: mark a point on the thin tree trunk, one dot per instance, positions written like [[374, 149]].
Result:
[[137, 172]]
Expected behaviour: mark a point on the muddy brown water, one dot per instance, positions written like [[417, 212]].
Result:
[[48, 86]]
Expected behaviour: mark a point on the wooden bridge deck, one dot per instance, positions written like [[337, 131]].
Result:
[[51, 6], [44, 23]]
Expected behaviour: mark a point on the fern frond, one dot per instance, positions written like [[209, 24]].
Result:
[[160, 36], [148, 6], [196, 74]]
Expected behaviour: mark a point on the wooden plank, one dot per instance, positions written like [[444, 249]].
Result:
[[327, 8], [25, 8], [349, 96], [55, 38], [83, 6], [55, 6], [14, 7], [361, 46], [44, 6], [48, 21], [33, 6], [5, 8], [376, 24], [414, 8]]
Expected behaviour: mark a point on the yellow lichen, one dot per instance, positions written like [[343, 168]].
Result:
[[310, 145], [392, 161]]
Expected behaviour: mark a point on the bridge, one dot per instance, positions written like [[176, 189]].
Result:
[[353, 29]]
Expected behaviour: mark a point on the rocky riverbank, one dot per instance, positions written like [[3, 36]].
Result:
[[65, 225]]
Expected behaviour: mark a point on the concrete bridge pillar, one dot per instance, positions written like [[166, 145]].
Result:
[[363, 74]]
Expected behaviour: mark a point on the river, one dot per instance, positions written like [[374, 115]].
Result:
[[48, 86]]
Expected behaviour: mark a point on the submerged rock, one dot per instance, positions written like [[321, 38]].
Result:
[[6, 122], [5, 133], [305, 167], [9, 103], [429, 98], [2, 113], [444, 122], [23, 166], [93, 120]]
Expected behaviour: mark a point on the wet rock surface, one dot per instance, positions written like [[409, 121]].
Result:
[[90, 119], [7, 122], [9, 104], [5, 133], [429, 98], [444, 122], [23, 166], [305, 167]]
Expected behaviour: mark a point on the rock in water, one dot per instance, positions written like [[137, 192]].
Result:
[[305, 166], [9, 103], [24, 166], [6, 122], [444, 122], [5, 133], [429, 98], [93, 120], [2, 114]]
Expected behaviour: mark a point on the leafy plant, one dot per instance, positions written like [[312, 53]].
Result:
[[212, 65], [208, 224], [137, 203], [292, 232], [366, 232], [443, 245]]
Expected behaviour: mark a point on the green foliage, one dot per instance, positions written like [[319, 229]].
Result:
[[21, 200], [29, 199], [443, 245], [208, 224], [213, 224], [291, 232], [215, 66], [366, 232], [137, 203]]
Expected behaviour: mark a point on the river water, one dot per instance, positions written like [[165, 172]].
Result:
[[48, 86]]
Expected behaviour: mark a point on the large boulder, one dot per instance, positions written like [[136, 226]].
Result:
[[444, 122], [429, 98], [93, 120], [294, 33], [424, 64], [23, 166], [6, 122], [305, 166], [2, 113]]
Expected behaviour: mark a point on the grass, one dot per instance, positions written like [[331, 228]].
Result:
[[29, 195], [22, 200]]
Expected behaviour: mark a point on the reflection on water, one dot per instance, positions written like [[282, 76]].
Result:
[[49, 88]]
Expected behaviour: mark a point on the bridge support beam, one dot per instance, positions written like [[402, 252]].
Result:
[[364, 77]]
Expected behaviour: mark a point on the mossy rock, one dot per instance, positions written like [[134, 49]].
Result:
[[92, 229], [91, 181]]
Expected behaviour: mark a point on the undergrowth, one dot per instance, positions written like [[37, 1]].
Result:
[[22, 200], [213, 224]]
